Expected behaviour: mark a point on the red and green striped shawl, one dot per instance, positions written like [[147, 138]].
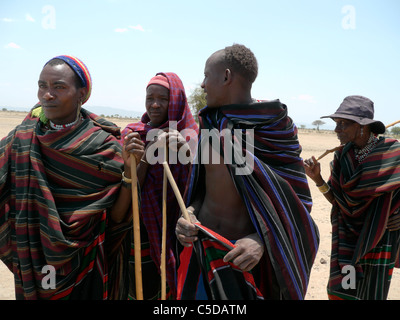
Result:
[[366, 195], [55, 189], [222, 280]]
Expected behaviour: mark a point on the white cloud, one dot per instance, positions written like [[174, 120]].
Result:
[[12, 45], [29, 18], [305, 97], [121, 30], [138, 27], [7, 20]]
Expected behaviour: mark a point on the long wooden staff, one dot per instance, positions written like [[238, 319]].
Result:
[[136, 232], [392, 124], [176, 190], [168, 175], [164, 237], [329, 151]]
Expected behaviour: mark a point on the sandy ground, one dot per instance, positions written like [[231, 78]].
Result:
[[313, 144]]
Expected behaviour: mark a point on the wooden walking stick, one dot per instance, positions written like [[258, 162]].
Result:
[[164, 239], [176, 191], [328, 152], [392, 124], [168, 175], [136, 231]]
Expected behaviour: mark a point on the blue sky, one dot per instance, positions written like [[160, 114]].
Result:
[[311, 53]]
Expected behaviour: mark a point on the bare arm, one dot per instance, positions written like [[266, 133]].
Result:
[[185, 231]]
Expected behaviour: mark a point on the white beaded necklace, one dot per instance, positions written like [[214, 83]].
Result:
[[63, 126], [361, 154]]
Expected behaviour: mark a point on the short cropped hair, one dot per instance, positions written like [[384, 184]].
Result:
[[57, 62], [242, 60]]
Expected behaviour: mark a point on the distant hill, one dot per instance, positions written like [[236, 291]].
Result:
[[106, 111]]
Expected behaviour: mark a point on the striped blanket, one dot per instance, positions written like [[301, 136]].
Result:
[[55, 188], [275, 193], [220, 280], [366, 195]]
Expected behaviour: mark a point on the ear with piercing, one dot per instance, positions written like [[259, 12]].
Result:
[[78, 109]]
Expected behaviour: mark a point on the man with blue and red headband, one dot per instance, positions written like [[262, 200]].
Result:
[[60, 175]]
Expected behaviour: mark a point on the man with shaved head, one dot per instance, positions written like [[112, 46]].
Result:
[[250, 210]]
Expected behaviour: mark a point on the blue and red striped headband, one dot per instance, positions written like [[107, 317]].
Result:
[[81, 71]]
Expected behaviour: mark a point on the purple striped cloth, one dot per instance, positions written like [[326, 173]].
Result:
[[276, 192]]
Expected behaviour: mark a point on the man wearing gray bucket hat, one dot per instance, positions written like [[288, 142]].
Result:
[[364, 189], [361, 110]]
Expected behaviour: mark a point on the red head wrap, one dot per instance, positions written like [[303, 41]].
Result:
[[160, 80]]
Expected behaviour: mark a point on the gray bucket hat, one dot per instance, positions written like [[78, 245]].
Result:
[[361, 110]]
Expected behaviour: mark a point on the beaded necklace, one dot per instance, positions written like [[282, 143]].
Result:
[[361, 154], [63, 126]]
